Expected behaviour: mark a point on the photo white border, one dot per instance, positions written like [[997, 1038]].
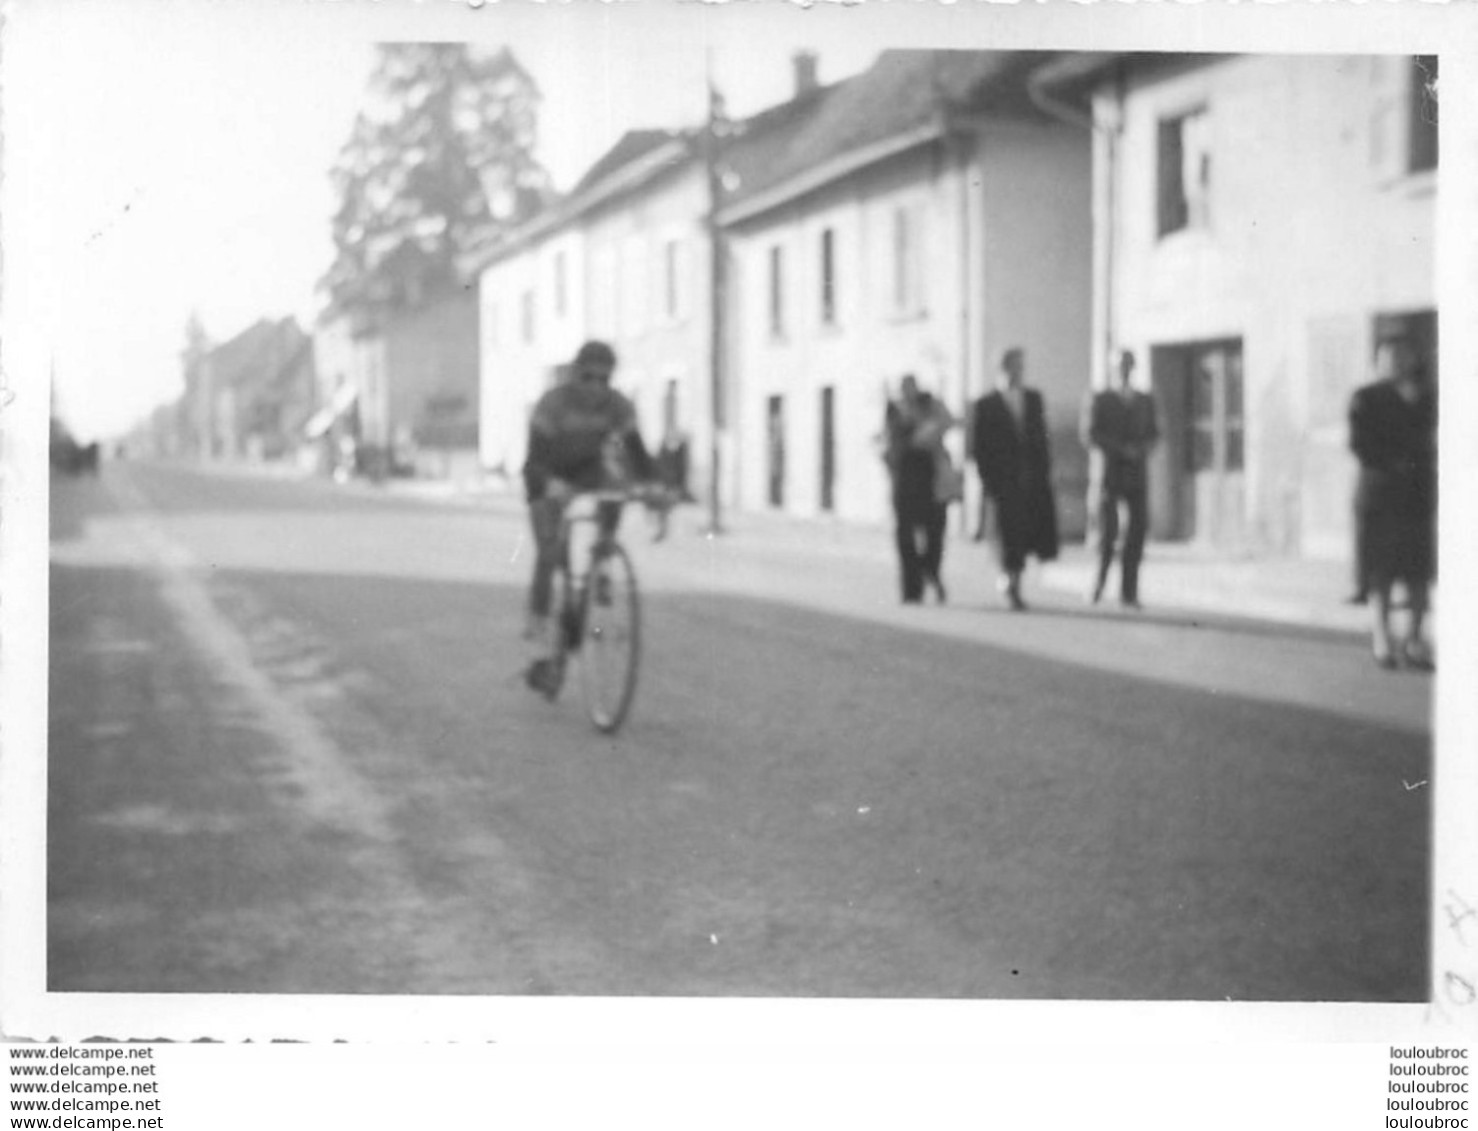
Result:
[[1404, 27]]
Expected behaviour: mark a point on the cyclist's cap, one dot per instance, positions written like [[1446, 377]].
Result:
[[596, 353]]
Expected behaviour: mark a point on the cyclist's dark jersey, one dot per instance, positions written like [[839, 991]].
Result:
[[568, 434]]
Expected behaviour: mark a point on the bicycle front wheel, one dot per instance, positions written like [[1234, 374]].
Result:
[[610, 646]]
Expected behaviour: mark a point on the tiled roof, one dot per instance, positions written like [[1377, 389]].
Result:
[[258, 354], [633, 145], [903, 92], [632, 162], [906, 93], [1074, 75]]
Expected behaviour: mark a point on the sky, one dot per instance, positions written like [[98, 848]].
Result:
[[172, 160]]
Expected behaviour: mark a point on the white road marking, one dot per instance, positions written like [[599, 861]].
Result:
[[330, 789]]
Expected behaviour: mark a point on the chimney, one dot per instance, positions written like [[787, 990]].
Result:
[[804, 63]]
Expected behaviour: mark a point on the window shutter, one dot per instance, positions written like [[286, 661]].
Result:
[[1170, 178], [1422, 117]]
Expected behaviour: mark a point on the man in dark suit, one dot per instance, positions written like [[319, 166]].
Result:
[[1009, 446], [915, 425], [1122, 424]]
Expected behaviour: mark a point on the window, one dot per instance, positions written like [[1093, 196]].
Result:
[[669, 408], [777, 292], [1184, 172], [669, 279], [528, 317], [908, 248], [828, 278], [1422, 114]]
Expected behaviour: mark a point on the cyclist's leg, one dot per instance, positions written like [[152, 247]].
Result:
[[544, 521], [608, 518]]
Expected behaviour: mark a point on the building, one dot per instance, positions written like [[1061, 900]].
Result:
[[415, 368], [248, 398], [532, 319], [623, 258], [921, 217], [1259, 221]]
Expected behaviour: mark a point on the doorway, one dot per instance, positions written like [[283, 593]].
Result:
[[1417, 326], [1198, 493]]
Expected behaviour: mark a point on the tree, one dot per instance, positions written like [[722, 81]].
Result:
[[442, 153]]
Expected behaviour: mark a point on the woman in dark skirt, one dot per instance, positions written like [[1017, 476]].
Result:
[[1010, 448], [1393, 433]]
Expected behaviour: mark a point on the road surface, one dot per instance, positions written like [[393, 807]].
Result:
[[289, 752]]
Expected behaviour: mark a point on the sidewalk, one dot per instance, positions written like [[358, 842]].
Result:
[[1174, 578]]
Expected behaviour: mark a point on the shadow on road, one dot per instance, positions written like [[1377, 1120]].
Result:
[[1178, 618]]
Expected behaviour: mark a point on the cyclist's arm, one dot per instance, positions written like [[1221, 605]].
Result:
[[642, 465], [536, 466]]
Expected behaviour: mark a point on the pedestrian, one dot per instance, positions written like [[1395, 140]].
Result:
[[1360, 593], [915, 426], [672, 474], [1393, 433], [1012, 454], [1121, 424]]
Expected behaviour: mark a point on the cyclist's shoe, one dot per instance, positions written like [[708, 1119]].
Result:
[[541, 677]]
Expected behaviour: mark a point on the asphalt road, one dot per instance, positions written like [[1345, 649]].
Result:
[[289, 753]]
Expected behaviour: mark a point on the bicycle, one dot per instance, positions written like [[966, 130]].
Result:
[[596, 613]]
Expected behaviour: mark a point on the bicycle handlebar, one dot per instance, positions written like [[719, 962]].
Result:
[[648, 494]]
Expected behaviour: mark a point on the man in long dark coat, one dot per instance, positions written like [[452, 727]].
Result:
[[1393, 433], [1010, 449]]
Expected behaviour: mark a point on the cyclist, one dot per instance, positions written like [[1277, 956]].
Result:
[[582, 436]]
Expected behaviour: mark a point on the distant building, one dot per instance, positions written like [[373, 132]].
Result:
[[415, 371], [248, 398], [1260, 221]]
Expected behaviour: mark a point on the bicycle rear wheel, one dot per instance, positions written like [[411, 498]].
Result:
[[611, 643]]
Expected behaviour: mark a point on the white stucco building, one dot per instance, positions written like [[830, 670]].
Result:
[[623, 257], [531, 320], [1259, 221], [919, 218]]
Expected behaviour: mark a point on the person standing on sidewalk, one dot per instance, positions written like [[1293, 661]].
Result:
[[1010, 449], [1393, 433], [1121, 423], [914, 426]]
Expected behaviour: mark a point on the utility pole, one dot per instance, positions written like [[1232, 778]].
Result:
[[717, 299]]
